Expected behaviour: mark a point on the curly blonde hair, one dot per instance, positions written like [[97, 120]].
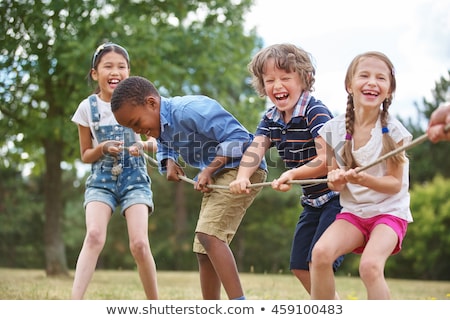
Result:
[[289, 58]]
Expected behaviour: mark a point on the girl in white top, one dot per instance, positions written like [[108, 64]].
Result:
[[375, 201]]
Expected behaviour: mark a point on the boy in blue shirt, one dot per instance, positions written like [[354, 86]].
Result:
[[209, 138]]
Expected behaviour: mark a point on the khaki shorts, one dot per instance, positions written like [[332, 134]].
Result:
[[221, 211]]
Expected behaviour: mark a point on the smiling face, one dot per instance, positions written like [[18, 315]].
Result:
[[371, 82], [110, 70], [283, 88], [142, 119]]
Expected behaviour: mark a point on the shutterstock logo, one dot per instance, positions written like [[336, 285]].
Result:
[[195, 150]]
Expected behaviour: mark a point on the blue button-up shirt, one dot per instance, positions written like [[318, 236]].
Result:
[[198, 129]]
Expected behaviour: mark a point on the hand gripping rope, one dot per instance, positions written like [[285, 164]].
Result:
[[413, 143]]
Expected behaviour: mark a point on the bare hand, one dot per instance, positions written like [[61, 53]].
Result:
[[112, 147], [203, 180], [438, 120], [173, 170], [281, 184], [135, 150], [354, 177], [240, 186]]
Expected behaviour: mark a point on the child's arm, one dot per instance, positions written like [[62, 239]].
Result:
[[89, 154], [149, 145], [204, 177], [249, 163], [336, 179], [313, 169], [390, 183], [173, 170]]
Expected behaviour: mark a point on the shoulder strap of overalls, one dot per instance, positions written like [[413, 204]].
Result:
[[94, 111]]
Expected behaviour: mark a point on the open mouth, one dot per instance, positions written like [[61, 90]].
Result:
[[280, 97], [370, 93]]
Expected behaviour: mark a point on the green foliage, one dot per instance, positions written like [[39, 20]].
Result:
[[428, 159], [426, 247], [21, 221]]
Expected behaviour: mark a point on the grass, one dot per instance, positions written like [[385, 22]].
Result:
[[18, 284]]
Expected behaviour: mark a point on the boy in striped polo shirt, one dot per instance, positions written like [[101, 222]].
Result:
[[285, 74]]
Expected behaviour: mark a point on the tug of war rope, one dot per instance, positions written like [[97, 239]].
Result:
[[413, 143]]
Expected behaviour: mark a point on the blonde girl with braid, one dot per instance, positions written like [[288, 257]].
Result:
[[375, 201]]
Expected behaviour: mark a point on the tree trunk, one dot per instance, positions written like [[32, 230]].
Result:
[[180, 222], [55, 254]]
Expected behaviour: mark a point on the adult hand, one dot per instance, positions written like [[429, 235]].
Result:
[[438, 120]]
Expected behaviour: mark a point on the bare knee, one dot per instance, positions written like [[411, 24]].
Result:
[[205, 240], [321, 256], [139, 248], [202, 258], [370, 270], [95, 239]]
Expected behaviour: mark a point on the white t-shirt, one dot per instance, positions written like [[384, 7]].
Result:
[[360, 200], [83, 117]]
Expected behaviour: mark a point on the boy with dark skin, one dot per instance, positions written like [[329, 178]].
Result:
[[209, 138]]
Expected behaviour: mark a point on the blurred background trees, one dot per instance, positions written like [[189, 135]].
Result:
[[184, 47]]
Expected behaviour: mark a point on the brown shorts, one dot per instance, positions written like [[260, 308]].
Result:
[[221, 211]]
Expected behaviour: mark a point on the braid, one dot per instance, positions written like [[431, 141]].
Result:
[[388, 143], [347, 154]]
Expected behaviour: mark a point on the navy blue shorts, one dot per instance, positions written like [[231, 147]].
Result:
[[310, 226]]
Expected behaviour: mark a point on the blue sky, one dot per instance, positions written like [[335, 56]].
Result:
[[414, 34]]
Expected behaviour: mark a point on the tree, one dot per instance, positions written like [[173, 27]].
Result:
[[428, 159], [21, 222], [427, 243], [184, 47]]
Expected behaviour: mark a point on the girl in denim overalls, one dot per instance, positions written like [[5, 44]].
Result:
[[118, 176]]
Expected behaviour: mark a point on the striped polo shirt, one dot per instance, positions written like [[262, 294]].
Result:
[[295, 140]]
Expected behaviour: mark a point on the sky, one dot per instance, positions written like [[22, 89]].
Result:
[[414, 34]]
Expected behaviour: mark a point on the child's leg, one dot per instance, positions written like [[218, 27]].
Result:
[[209, 280], [380, 246], [340, 237], [137, 223], [219, 259], [220, 216], [97, 218]]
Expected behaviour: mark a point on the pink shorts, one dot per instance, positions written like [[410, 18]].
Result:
[[366, 226]]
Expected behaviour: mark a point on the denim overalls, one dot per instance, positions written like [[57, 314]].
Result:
[[128, 187]]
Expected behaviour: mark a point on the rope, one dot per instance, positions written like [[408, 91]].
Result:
[[254, 185], [413, 143]]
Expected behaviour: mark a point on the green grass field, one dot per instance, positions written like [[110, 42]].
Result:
[[17, 284]]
